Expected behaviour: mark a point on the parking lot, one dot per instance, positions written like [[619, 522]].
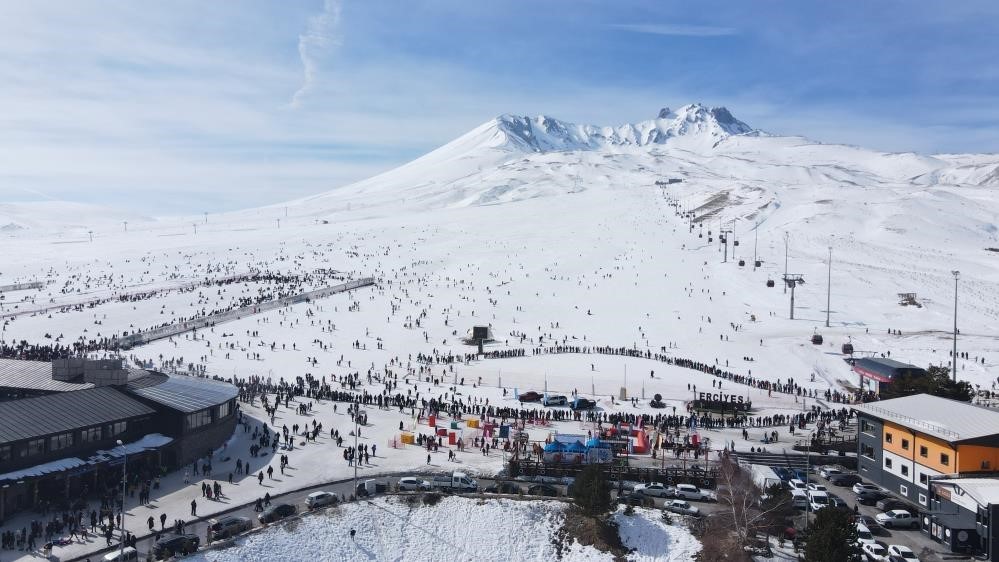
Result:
[[921, 543]]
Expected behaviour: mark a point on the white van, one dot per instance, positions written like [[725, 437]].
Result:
[[799, 499], [128, 554], [797, 484], [817, 500]]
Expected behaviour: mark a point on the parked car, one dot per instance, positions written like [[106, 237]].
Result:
[[903, 552], [682, 507], [371, 487], [638, 500], [557, 400], [276, 512], [868, 497], [127, 554], [455, 482], [655, 489], [889, 503], [813, 487], [871, 523], [897, 518], [837, 502], [315, 500], [691, 492], [844, 479], [413, 484], [827, 471], [860, 487], [817, 500], [543, 490], [798, 484], [582, 404], [503, 488], [529, 396], [864, 535], [175, 544], [228, 526], [874, 552]]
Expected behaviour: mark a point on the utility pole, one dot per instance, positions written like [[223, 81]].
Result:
[[829, 287], [956, 274], [206, 217], [124, 467], [786, 237], [195, 225], [724, 240], [126, 225], [91, 233]]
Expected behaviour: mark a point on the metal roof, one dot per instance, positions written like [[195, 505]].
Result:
[[943, 418], [984, 491], [66, 411], [34, 375], [183, 393]]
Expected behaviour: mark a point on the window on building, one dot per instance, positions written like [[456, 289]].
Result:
[[945, 459], [6, 453], [986, 465], [888, 437], [923, 451], [867, 451], [33, 447], [90, 435], [61, 441], [116, 429], [224, 410], [905, 444], [905, 470], [922, 499], [887, 462], [867, 427], [923, 478], [903, 489], [198, 419]]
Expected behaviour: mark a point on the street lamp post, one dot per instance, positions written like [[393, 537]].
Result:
[[957, 274], [124, 468], [786, 238], [829, 287]]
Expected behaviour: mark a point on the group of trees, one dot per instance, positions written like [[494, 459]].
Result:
[[936, 381], [747, 515]]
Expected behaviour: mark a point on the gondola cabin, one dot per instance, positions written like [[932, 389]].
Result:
[[847, 349], [817, 339], [770, 282]]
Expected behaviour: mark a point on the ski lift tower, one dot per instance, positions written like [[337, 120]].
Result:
[[724, 240], [792, 280]]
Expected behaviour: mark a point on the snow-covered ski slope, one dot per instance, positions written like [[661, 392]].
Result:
[[531, 221]]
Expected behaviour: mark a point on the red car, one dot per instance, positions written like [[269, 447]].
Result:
[[529, 397]]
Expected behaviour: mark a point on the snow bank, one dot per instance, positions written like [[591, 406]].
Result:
[[652, 539], [455, 529], [387, 529]]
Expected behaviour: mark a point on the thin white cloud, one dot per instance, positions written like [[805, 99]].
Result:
[[676, 29], [321, 35]]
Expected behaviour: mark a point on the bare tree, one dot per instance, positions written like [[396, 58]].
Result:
[[749, 516]]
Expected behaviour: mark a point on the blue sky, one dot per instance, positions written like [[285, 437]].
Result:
[[184, 107]]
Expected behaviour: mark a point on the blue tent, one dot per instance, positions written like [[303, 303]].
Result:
[[554, 447], [593, 442], [576, 447]]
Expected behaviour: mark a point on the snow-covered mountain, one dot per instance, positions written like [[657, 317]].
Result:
[[516, 158], [545, 134]]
